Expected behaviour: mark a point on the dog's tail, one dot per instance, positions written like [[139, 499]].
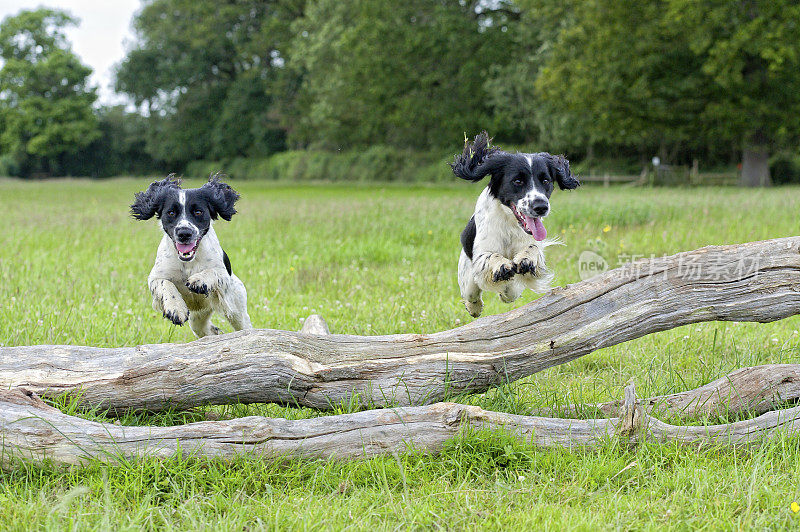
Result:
[[477, 160]]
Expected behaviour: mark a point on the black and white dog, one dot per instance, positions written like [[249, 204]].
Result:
[[192, 275], [503, 243]]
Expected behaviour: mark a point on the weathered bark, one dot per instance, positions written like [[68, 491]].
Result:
[[758, 281], [315, 324], [753, 391], [31, 430]]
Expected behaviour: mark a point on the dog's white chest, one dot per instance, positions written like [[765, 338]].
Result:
[[497, 229]]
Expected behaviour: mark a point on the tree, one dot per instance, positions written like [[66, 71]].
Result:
[[204, 69], [45, 101], [410, 74], [621, 71], [750, 55], [120, 149], [518, 109], [668, 75]]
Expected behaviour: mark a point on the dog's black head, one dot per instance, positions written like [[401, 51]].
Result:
[[523, 182], [185, 214]]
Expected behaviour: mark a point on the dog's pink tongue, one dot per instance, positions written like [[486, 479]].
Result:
[[184, 248], [536, 227]]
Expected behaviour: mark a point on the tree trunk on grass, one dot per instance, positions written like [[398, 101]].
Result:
[[753, 390], [758, 281], [755, 162], [32, 430]]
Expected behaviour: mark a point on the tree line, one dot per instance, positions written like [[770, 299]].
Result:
[[716, 80]]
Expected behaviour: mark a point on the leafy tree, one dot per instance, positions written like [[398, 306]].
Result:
[[750, 55], [120, 149], [511, 88], [204, 69], [45, 101], [409, 74], [664, 75], [622, 72]]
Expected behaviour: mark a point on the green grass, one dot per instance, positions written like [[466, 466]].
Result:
[[380, 259]]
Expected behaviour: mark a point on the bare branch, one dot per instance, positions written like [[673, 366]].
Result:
[[758, 281]]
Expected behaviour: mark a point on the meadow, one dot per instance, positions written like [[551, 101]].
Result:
[[381, 259]]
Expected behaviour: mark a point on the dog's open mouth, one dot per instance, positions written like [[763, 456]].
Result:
[[532, 226], [186, 251]]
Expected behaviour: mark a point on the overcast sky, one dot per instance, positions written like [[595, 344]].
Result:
[[100, 38]]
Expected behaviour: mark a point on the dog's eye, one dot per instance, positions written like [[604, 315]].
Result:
[[545, 181], [198, 213], [172, 213], [518, 182]]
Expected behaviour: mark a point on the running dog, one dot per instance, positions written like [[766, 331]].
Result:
[[192, 275], [503, 243]]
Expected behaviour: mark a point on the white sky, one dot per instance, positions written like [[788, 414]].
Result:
[[101, 37]]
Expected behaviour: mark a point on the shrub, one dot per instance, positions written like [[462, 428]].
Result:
[[203, 168], [785, 168], [376, 163], [8, 166]]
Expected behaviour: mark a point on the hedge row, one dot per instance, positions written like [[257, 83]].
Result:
[[377, 163], [384, 163]]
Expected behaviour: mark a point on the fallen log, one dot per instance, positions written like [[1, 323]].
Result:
[[34, 431], [758, 281], [754, 391]]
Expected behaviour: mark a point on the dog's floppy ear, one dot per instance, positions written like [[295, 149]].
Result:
[[150, 202], [559, 167], [478, 159], [221, 197]]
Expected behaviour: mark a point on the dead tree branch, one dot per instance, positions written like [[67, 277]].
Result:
[[758, 281], [31, 430]]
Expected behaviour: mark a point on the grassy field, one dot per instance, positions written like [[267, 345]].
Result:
[[376, 259]]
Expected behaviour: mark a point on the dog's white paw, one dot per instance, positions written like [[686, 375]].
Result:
[[529, 262], [502, 270], [526, 266], [507, 296], [198, 284], [474, 307], [175, 311]]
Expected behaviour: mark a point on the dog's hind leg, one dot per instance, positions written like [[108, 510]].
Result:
[[233, 304], [512, 291], [470, 291], [200, 323]]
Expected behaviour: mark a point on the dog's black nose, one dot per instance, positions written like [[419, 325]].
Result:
[[540, 207], [184, 234]]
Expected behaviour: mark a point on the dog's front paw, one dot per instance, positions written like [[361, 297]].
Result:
[[529, 262], [198, 285], [526, 266], [503, 272], [177, 316], [199, 288]]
